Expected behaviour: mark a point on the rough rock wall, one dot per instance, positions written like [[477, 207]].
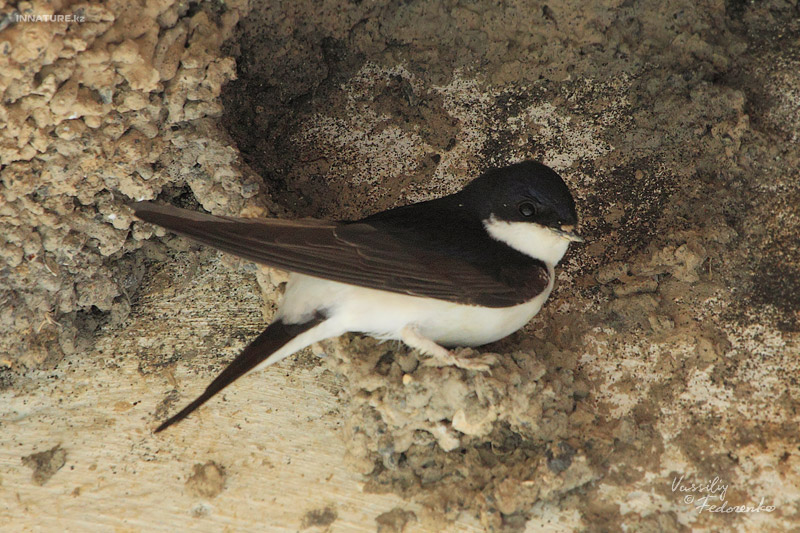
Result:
[[669, 347], [115, 105]]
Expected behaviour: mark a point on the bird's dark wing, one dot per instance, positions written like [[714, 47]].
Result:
[[358, 253]]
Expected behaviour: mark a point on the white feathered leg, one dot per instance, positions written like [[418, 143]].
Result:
[[441, 356]]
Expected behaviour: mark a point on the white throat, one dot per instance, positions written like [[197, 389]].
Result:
[[531, 239]]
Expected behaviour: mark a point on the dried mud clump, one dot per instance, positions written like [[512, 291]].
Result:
[[207, 480], [45, 464], [116, 104], [451, 439]]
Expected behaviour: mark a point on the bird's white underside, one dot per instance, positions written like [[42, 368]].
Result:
[[384, 314]]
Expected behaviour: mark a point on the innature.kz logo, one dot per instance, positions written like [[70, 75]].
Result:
[[69, 17]]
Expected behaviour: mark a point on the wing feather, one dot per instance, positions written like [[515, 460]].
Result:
[[356, 253]]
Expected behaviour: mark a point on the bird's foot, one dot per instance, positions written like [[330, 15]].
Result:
[[441, 356], [463, 358]]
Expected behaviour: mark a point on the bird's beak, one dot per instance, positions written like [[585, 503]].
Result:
[[567, 233]]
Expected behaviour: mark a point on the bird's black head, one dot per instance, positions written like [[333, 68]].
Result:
[[523, 192]]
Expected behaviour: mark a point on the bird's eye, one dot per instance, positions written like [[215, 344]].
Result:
[[527, 209]]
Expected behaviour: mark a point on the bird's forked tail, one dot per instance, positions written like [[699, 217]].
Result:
[[267, 344]]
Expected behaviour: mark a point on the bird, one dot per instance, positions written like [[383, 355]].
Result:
[[459, 271]]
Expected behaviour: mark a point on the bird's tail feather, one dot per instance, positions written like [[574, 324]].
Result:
[[277, 335]]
